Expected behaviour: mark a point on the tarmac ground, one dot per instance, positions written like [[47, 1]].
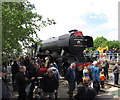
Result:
[[108, 93]]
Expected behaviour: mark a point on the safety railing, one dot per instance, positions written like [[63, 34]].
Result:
[[105, 56]]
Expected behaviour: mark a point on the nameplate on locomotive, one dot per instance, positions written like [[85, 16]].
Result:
[[78, 46]]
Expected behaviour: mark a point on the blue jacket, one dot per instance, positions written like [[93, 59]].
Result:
[[70, 75], [95, 73]]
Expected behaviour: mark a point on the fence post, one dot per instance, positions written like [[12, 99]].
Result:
[[118, 58]]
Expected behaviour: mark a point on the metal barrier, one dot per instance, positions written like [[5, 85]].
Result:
[[105, 56], [110, 57]]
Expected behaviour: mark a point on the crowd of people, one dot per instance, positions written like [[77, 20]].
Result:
[[30, 72]]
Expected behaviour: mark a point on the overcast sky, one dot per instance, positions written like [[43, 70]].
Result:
[[95, 18]]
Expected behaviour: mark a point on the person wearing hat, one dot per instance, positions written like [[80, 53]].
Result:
[[95, 75]]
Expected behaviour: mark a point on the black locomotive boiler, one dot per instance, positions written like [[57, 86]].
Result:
[[67, 48]]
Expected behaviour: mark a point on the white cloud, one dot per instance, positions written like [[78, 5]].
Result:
[[68, 15], [93, 17]]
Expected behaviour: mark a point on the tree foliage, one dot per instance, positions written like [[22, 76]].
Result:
[[99, 41], [19, 25], [113, 44], [103, 42]]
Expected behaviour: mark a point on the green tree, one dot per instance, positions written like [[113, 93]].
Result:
[[19, 25], [99, 42], [113, 44], [103, 42]]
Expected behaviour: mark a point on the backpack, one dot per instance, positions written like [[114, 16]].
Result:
[[42, 71], [85, 93]]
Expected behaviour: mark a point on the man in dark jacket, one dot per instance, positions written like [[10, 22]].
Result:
[[106, 67], [79, 74], [22, 81], [50, 84], [32, 72], [26, 62], [5, 89], [14, 70], [71, 77], [116, 73]]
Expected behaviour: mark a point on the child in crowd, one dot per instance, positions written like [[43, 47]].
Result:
[[102, 79], [85, 72]]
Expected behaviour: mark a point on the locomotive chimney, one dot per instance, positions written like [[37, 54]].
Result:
[[72, 31]]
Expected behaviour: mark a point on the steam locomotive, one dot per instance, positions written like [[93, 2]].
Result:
[[67, 48]]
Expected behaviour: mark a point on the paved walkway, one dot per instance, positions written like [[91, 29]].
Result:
[[113, 90], [110, 93]]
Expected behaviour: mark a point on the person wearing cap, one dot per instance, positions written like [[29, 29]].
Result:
[[49, 85], [95, 75], [71, 78]]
